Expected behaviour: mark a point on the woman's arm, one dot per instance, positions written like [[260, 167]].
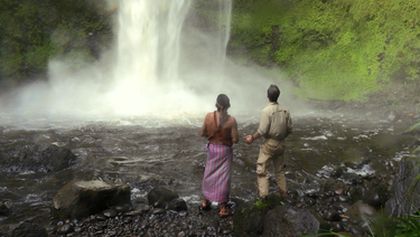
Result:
[[235, 134], [204, 130]]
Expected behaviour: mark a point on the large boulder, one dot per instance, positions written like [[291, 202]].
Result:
[[270, 218], [164, 198], [405, 193], [28, 229], [288, 222], [82, 198], [264, 217], [249, 221]]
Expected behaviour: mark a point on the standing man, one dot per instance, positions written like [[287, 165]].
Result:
[[275, 125]]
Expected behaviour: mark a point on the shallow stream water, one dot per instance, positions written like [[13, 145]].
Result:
[[149, 155]]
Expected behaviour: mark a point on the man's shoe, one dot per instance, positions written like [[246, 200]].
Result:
[[261, 202]]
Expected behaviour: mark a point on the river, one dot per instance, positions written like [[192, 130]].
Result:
[[145, 154]]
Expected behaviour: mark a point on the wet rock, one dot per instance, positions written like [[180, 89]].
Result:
[[110, 213], [57, 158], [30, 158], [124, 208], [248, 222], [4, 209], [158, 211], [178, 205], [360, 210], [140, 209], [100, 217], [288, 221], [377, 195], [112, 233], [356, 193], [331, 215], [161, 197], [28, 229], [405, 191], [82, 198], [65, 229], [339, 191]]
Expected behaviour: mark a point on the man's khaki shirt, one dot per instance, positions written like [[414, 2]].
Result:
[[275, 122]]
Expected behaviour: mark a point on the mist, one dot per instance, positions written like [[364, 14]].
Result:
[[161, 65]]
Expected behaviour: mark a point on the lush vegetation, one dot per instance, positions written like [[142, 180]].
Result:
[[33, 31], [333, 49]]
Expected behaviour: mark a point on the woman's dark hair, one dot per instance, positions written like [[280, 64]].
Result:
[[273, 93], [222, 104]]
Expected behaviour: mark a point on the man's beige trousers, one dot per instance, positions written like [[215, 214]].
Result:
[[271, 151]]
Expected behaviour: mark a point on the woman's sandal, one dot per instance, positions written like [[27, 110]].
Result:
[[224, 211], [205, 205]]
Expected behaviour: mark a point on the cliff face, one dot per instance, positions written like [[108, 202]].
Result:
[[333, 49]]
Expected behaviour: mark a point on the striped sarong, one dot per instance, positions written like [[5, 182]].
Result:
[[216, 180]]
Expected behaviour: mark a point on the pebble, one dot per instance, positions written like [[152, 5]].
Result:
[[100, 217], [112, 233], [110, 213], [158, 211], [65, 229]]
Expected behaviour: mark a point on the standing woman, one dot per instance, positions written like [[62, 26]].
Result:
[[221, 130]]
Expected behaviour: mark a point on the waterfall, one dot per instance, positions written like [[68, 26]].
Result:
[[149, 52], [225, 15]]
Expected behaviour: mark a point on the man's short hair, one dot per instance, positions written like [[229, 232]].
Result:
[[273, 93]]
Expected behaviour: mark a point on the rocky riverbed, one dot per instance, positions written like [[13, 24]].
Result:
[[340, 170]]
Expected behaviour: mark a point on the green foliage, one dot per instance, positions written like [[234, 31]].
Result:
[[408, 227], [329, 234], [334, 49], [385, 226], [31, 30]]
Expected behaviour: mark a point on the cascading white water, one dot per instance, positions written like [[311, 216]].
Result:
[[225, 14], [149, 52], [149, 33], [148, 43]]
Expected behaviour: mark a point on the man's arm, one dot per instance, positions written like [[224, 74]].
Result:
[[264, 125], [289, 124], [262, 129]]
